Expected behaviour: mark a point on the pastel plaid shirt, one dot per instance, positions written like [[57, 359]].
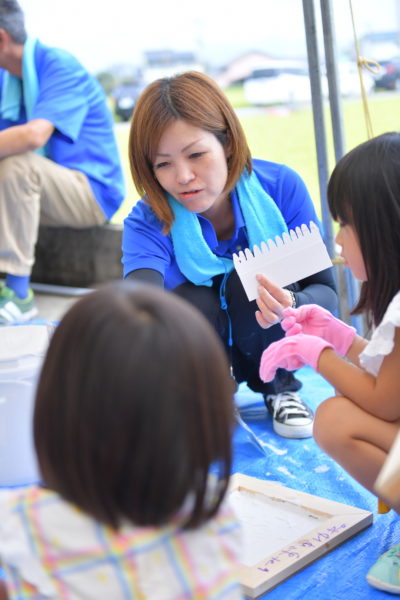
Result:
[[51, 549]]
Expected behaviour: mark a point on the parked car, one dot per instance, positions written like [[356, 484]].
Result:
[[349, 79], [277, 85], [291, 84], [125, 97], [389, 75]]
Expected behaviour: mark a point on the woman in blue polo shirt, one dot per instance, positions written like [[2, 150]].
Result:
[[204, 198]]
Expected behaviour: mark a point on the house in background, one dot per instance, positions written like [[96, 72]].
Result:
[[241, 67]]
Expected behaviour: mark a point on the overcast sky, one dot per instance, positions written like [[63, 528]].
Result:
[[102, 34]]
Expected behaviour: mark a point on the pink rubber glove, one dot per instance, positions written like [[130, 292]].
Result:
[[312, 319], [291, 353]]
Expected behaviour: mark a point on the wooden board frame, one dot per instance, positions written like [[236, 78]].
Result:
[[341, 522]]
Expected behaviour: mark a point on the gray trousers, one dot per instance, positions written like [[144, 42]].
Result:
[[33, 190]]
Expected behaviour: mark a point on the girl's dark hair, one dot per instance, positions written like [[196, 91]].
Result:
[[364, 191], [134, 405], [197, 99]]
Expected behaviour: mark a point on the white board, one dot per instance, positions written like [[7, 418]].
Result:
[[388, 481], [284, 530]]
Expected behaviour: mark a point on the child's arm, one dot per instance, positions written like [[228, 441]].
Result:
[[312, 319], [357, 346], [377, 395]]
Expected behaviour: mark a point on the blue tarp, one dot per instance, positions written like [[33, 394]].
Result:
[[300, 464]]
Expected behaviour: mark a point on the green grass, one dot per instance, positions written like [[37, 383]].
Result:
[[288, 137], [132, 197], [236, 96]]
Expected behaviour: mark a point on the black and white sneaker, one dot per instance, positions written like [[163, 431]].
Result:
[[291, 418]]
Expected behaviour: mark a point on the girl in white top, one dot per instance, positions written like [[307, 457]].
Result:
[[357, 426], [133, 408]]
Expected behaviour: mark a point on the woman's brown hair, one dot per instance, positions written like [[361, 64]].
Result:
[[197, 99], [134, 406]]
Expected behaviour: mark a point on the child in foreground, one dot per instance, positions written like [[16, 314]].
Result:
[[358, 426], [133, 407]]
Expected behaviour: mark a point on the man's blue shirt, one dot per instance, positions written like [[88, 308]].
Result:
[[74, 102]]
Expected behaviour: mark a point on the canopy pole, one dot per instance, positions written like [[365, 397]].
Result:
[[318, 116], [352, 286]]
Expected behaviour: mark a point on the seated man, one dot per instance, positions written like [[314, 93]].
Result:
[[59, 162]]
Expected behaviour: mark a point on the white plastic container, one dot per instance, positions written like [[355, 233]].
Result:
[[22, 349]]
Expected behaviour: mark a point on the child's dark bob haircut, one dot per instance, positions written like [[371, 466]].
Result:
[[134, 405], [364, 191], [197, 99]]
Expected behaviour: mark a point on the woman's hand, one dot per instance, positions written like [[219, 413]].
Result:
[[272, 301]]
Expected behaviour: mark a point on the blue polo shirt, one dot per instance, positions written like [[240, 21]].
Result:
[[74, 102], [144, 246]]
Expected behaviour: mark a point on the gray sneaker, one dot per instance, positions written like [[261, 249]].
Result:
[[291, 418]]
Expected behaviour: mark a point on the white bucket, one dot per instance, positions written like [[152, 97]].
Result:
[[22, 349], [17, 456]]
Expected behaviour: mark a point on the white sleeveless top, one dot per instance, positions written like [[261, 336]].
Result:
[[382, 340]]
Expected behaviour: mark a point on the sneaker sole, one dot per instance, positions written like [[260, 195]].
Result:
[[293, 431], [29, 315], [381, 585], [23, 317]]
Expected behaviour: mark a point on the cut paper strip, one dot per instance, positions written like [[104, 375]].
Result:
[[284, 260]]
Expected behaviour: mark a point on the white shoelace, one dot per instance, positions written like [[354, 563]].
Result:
[[288, 404]]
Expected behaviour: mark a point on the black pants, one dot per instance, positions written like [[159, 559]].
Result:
[[248, 338]]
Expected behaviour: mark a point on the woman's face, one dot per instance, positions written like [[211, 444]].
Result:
[[190, 164], [347, 238]]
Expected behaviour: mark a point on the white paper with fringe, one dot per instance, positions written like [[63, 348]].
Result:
[[284, 260]]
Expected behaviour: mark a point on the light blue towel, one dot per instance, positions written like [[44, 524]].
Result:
[[195, 259], [13, 90]]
